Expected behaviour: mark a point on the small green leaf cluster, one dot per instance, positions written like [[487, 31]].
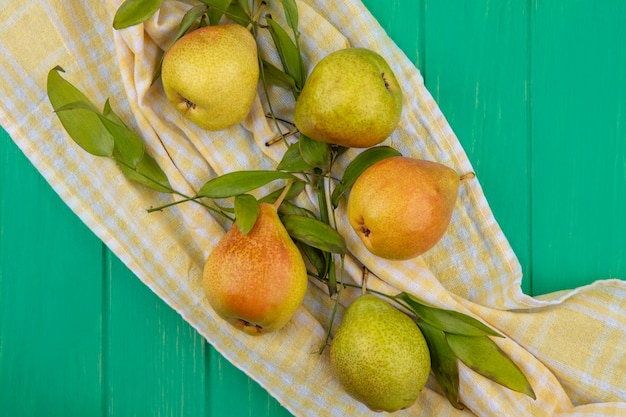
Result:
[[103, 133], [451, 336], [134, 12]]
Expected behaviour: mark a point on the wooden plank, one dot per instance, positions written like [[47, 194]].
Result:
[[154, 361], [50, 298], [476, 65], [81, 335], [233, 393], [579, 142], [475, 58], [404, 23]]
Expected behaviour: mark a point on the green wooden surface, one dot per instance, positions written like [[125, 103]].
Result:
[[536, 93]]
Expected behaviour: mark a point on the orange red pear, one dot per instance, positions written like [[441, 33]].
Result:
[[401, 207], [256, 281]]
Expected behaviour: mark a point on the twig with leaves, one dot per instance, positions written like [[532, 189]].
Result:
[[451, 335]]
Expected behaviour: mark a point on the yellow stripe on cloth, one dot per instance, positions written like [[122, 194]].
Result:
[[570, 345]]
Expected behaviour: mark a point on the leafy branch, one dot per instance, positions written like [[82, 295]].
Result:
[[451, 336]]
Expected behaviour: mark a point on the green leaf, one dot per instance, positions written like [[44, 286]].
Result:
[[314, 233], [485, 357], [238, 14], [245, 5], [78, 105], [275, 76], [246, 212], [315, 257], [133, 12], [314, 153], [447, 320], [293, 160], [288, 52], [192, 15], [110, 114], [359, 164], [128, 146], [103, 134], [148, 173], [291, 15], [240, 182], [78, 115], [443, 362], [296, 188], [288, 208], [217, 8]]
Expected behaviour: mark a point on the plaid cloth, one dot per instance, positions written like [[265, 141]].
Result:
[[570, 344]]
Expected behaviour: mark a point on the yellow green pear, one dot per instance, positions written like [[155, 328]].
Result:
[[351, 98], [379, 355], [258, 280], [401, 207], [211, 75]]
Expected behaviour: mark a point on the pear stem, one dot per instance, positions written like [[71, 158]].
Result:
[[257, 14], [271, 116], [467, 176], [366, 274], [281, 137], [282, 195]]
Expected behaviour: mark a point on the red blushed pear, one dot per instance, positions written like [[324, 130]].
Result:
[[401, 207], [256, 281]]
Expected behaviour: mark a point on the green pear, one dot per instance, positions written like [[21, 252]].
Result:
[[258, 280], [211, 75], [351, 98], [401, 207], [379, 355]]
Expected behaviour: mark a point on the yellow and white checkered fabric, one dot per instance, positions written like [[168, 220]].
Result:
[[570, 344]]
